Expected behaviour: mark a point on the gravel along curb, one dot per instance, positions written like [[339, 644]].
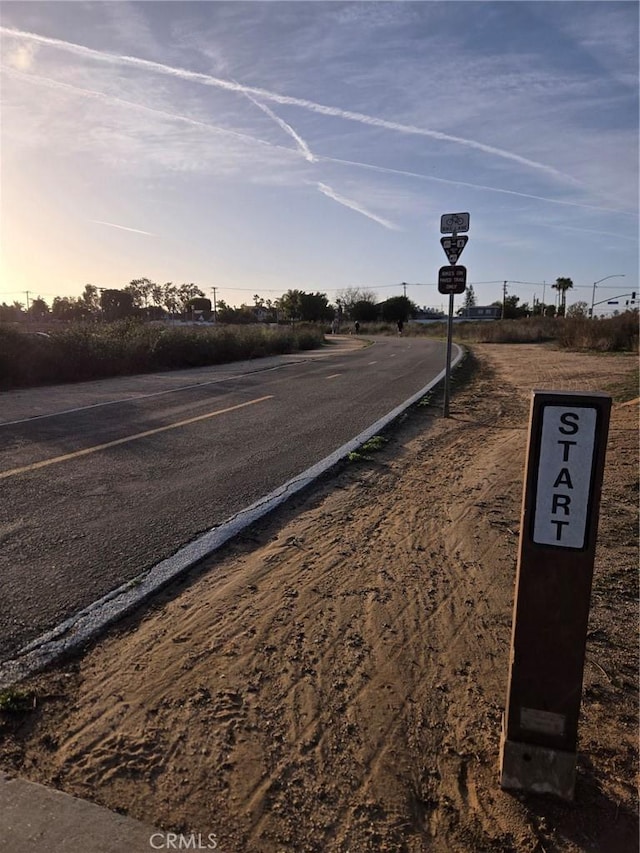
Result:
[[76, 631]]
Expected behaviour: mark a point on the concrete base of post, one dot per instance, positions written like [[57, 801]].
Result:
[[537, 769]]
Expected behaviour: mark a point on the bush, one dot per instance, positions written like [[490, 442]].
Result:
[[80, 352], [614, 334]]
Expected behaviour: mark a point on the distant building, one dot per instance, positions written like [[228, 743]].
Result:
[[428, 315], [481, 312]]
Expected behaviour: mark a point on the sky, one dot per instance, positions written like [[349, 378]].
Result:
[[256, 147]]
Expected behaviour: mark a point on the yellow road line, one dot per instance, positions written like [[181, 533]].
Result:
[[35, 465]]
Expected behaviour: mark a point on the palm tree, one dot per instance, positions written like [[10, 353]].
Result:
[[562, 285]]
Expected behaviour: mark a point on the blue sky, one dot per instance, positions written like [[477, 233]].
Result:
[[262, 146]]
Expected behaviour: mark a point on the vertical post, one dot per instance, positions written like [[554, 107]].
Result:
[[593, 299], [558, 531], [215, 308], [447, 369], [447, 379], [504, 298]]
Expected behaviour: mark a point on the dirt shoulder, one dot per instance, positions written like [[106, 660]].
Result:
[[335, 682]]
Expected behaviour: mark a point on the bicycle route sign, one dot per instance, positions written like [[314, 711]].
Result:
[[451, 223], [452, 279], [453, 247]]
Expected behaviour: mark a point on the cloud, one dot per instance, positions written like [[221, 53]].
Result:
[[21, 57], [402, 172], [302, 148], [112, 99], [264, 94], [352, 205]]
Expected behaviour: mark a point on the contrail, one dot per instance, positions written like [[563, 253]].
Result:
[[122, 227], [113, 99], [264, 94], [331, 193], [302, 145], [302, 148], [389, 171]]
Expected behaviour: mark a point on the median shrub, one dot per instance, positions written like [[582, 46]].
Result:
[[81, 352]]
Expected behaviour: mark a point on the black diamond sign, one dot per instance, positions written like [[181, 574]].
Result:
[[453, 247]]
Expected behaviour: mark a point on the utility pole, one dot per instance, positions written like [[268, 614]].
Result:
[[504, 298], [28, 315], [215, 311], [404, 284]]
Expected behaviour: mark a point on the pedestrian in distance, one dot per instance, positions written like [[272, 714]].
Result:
[[400, 326], [357, 327]]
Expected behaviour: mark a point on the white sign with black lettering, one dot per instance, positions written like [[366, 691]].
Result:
[[564, 476]]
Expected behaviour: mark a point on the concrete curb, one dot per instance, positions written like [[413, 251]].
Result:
[[84, 626]]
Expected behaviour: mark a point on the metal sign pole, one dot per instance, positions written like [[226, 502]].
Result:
[[452, 279], [447, 379], [558, 531], [448, 364]]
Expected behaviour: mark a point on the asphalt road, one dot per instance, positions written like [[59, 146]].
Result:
[[102, 480]]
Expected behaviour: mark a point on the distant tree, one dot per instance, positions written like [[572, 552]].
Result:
[[62, 308], [170, 297], [290, 304], [562, 285], [315, 308], [398, 308], [10, 313], [349, 296], [91, 299], [578, 309], [469, 301], [243, 315], [38, 308], [513, 311], [186, 292], [157, 295], [141, 290], [117, 304], [364, 311]]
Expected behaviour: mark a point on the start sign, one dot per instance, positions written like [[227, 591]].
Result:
[[558, 531], [565, 474]]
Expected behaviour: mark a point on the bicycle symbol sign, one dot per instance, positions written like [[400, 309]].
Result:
[[451, 222]]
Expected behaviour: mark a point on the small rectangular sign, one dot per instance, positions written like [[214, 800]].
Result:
[[452, 279], [542, 721], [450, 222], [567, 452]]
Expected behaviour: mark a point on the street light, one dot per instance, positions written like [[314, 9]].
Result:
[[593, 295]]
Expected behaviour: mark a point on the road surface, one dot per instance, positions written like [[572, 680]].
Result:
[[102, 480]]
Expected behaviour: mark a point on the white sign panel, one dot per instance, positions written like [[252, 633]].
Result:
[[450, 222], [564, 476]]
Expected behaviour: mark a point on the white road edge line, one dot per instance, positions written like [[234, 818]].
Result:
[[84, 626]]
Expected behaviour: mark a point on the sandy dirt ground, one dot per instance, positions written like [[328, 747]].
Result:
[[335, 681]]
